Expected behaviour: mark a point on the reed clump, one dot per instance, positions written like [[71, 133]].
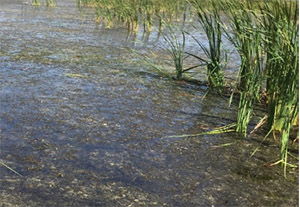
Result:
[[281, 26], [215, 58], [36, 3], [266, 35], [49, 3], [247, 37]]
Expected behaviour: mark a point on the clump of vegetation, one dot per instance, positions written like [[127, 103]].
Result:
[[281, 27], [36, 3], [265, 35], [210, 22], [247, 37], [176, 49], [49, 3], [136, 12]]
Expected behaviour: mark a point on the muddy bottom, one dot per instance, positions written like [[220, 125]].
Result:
[[87, 124]]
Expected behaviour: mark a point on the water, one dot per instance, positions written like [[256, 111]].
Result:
[[87, 124]]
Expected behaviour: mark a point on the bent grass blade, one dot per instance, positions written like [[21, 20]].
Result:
[[2, 163], [220, 130]]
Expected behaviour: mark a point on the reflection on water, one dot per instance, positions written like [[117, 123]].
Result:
[[86, 123]]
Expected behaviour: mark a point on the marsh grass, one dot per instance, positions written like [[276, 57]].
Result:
[[175, 39], [134, 13], [50, 3], [266, 37], [176, 49], [280, 22], [220, 130], [215, 57], [36, 3]]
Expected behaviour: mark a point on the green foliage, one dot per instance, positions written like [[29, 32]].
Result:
[[266, 35], [176, 49], [280, 21], [247, 37], [50, 3], [210, 22], [135, 12], [36, 3]]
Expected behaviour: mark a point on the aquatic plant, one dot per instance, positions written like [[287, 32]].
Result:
[[9, 168], [50, 3], [247, 38], [210, 22], [135, 12], [176, 49], [36, 3], [266, 37], [281, 26]]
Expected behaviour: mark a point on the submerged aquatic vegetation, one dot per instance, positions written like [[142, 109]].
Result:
[[9, 168]]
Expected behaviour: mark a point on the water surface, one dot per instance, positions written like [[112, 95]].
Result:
[[87, 124]]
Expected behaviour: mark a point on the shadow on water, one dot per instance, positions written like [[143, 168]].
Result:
[[87, 124]]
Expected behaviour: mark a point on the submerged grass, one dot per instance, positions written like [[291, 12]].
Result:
[[219, 130], [9, 168]]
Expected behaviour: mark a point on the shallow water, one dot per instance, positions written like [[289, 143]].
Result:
[[87, 124]]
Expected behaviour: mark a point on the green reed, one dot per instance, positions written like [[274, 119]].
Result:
[[265, 34], [176, 48], [247, 38], [135, 12], [210, 21], [36, 3], [280, 22], [50, 3]]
